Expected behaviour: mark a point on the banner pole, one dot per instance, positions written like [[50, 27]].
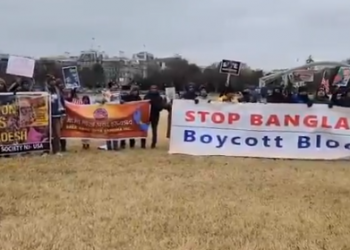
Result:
[[228, 80]]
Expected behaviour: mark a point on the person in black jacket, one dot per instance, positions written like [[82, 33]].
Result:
[[133, 96], [190, 92], [277, 96], [157, 105], [344, 100]]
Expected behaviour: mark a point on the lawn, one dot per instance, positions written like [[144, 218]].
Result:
[[149, 200]]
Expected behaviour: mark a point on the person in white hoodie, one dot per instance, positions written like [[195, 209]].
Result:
[[203, 95]]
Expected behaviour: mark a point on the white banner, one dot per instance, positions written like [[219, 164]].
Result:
[[291, 131]]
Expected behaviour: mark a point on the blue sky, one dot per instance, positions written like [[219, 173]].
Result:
[[264, 34]]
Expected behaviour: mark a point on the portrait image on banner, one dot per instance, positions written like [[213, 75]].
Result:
[[24, 123], [107, 121], [71, 77], [342, 77]]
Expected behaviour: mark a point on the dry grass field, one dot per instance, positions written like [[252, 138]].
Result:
[[148, 200]]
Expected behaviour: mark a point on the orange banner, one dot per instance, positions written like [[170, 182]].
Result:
[[106, 121]]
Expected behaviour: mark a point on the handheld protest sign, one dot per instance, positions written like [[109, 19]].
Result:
[[20, 66], [170, 93], [71, 77], [230, 67]]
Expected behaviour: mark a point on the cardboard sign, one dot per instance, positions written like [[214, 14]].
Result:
[[170, 93], [20, 66]]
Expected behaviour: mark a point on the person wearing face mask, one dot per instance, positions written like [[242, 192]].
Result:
[[57, 109], [133, 96], [157, 105]]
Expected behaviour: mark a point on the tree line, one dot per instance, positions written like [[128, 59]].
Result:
[[178, 73]]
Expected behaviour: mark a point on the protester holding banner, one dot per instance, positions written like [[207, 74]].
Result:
[[229, 95], [343, 100], [15, 86], [63, 96], [203, 94], [157, 105], [190, 92], [321, 98], [85, 100], [300, 97], [277, 96], [57, 110], [133, 96]]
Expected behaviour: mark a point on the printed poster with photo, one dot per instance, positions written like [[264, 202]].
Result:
[[71, 77], [342, 78], [33, 110], [24, 123]]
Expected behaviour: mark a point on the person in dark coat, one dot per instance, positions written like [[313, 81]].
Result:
[[300, 97], [133, 96], [190, 93], [157, 105], [344, 100], [277, 96]]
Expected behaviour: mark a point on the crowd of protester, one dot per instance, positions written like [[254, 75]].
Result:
[[60, 95]]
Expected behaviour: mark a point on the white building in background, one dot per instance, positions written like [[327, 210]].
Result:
[[88, 58], [143, 56], [111, 67]]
